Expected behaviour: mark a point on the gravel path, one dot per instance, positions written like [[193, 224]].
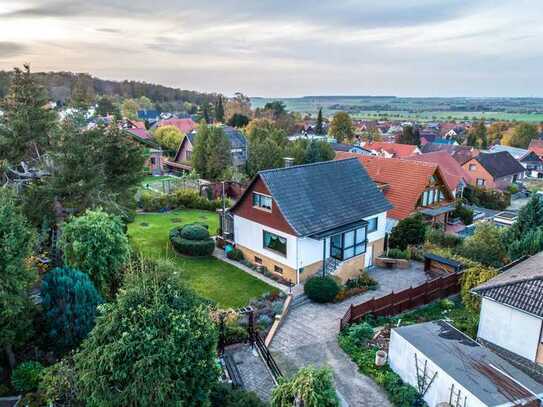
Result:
[[309, 336]]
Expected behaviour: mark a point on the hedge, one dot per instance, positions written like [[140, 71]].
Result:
[[188, 199], [192, 240]]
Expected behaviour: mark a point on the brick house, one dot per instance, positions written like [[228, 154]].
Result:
[[494, 170], [410, 186], [299, 220]]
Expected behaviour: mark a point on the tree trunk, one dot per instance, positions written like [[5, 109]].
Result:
[[10, 355]]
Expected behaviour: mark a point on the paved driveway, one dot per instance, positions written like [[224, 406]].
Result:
[[309, 336]]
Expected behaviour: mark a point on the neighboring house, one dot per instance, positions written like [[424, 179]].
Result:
[[536, 146], [446, 366], [454, 174], [185, 126], [183, 157], [295, 221], [391, 150], [512, 310], [134, 124], [528, 159], [153, 153], [350, 148], [410, 186], [461, 154], [494, 170]]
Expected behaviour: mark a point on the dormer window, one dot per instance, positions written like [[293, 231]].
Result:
[[262, 201]]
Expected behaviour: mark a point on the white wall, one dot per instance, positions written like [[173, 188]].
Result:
[[509, 328], [301, 252], [401, 358], [250, 235]]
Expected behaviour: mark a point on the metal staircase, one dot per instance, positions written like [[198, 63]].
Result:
[[331, 265]]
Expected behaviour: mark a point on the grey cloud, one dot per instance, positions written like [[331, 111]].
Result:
[[109, 30], [10, 49]]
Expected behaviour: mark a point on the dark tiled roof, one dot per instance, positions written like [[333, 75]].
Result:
[[319, 197], [521, 286], [480, 371], [499, 164], [237, 139]]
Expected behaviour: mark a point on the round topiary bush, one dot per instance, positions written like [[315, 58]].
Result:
[[26, 377], [192, 240], [321, 289]]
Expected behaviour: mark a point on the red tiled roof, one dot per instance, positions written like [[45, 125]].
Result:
[[452, 171], [137, 124], [141, 133], [396, 149], [184, 125], [536, 146], [405, 180]]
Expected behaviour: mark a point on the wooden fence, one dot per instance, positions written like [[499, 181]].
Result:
[[396, 303]]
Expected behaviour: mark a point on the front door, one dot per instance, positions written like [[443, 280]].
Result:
[[368, 258]]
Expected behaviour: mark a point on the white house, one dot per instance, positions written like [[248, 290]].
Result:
[[325, 217], [446, 366], [512, 310]]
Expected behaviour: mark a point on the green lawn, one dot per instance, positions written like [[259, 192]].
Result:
[[211, 278]]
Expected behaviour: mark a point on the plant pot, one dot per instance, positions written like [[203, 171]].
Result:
[[380, 358]]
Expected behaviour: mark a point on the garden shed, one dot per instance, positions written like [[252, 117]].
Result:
[[446, 366], [438, 264]]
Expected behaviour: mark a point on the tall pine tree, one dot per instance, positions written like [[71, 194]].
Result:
[[319, 128], [27, 123], [219, 110]]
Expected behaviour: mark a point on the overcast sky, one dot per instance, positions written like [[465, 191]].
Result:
[[287, 47]]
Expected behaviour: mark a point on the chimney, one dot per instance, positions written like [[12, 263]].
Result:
[[288, 162]]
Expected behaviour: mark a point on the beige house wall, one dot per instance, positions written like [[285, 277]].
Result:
[[288, 273]]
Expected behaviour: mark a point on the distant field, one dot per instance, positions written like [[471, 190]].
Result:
[[422, 109]]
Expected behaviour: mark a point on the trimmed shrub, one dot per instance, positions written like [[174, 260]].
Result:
[[364, 280], [321, 289], [194, 232], [26, 377], [192, 240], [408, 231], [223, 395], [465, 214], [398, 254]]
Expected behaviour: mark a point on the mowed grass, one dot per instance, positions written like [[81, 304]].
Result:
[[210, 277]]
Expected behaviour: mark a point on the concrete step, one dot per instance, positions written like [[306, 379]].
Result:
[[299, 300]]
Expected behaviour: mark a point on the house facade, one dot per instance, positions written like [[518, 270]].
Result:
[[183, 158], [391, 150], [512, 310], [531, 162], [411, 186], [326, 217], [453, 173], [494, 170]]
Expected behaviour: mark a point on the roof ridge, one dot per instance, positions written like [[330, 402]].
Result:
[[305, 165]]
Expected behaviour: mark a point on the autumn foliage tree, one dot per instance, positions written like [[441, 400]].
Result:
[[341, 128]]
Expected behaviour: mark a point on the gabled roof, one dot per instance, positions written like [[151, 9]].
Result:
[[142, 136], [236, 137], [517, 153], [405, 180], [349, 147], [536, 146], [462, 154], [452, 171], [396, 149], [491, 379], [521, 286], [148, 114], [499, 164], [320, 197], [184, 125]]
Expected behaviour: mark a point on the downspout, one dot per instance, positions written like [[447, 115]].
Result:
[[324, 257]]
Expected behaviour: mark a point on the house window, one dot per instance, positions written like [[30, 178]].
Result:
[[278, 269], [373, 224], [480, 182], [349, 244], [258, 260], [472, 167], [275, 243], [431, 196], [153, 161], [189, 155], [262, 201]]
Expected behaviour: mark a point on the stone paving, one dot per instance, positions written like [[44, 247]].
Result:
[[309, 336], [253, 370]]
